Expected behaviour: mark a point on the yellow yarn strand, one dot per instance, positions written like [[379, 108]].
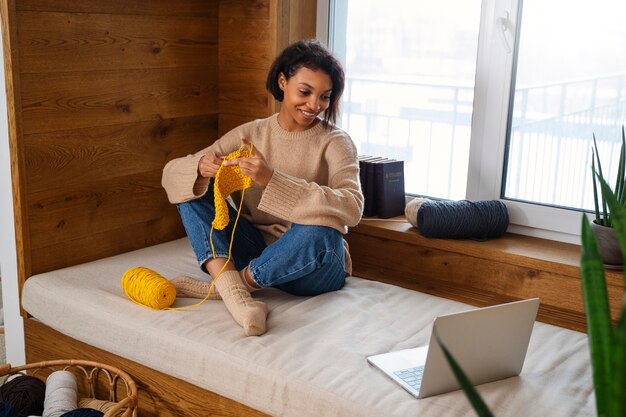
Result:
[[219, 209], [232, 236], [147, 288]]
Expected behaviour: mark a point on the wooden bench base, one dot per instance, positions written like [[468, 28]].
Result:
[[159, 394], [510, 268]]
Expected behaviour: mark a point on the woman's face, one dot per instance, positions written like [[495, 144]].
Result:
[[306, 95]]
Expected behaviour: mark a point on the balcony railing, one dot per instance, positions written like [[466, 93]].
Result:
[[427, 124]]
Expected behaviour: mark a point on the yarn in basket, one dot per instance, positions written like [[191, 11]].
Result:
[[61, 394], [94, 403], [25, 394], [83, 412], [7, 410]]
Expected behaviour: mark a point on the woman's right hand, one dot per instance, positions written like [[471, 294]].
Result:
[[209, 164]]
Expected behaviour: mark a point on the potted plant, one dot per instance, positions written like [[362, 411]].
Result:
[[602, 225], [607, 344]]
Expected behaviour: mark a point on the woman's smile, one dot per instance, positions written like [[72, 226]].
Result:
[[308, 114]]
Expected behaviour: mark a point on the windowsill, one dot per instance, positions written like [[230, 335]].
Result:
[[524, 249], [478, 272]]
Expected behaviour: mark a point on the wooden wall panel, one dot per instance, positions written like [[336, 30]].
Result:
[[251, 34], [89, 154], [89, 42], [246, 52], [245, 29], [239, 94], [14, 112], [108, 243], [301, 20], [206, 8], [244, 10], [108, 93], [231, 121], [103, 94], [61, 101], [95, 207]]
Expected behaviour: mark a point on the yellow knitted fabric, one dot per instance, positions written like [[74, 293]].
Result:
[[228, 180]]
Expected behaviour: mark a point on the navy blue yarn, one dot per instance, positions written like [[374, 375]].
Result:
[[463, 219], [83, 412], [7, 410]]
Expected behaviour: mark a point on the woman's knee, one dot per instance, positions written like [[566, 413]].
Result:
[[333, 270], [327, 275], [324, 244], [322, 238]]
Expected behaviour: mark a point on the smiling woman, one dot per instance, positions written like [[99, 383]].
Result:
[[306, 94], [305, 193], [318, 82]]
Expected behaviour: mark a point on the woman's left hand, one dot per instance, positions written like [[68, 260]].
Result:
[[256, 167]]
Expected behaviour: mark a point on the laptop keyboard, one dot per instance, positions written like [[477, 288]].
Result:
[[412, 376]]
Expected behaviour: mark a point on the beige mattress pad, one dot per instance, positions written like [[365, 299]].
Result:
[[312, 361]]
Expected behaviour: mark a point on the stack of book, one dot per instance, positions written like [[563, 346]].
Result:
[[382, 183]]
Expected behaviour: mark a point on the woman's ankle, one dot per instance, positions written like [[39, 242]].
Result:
[[248, 280]]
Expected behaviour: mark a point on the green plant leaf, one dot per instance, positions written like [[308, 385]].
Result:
[[618, 383], [618, 215], [620, 182], [472, 395], [606, 216], [596, 302], [595, 187], [617, 393]]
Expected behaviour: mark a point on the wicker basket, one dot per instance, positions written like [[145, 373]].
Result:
[[93, 377]]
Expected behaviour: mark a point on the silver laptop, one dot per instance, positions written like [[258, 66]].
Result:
[[489, 343]]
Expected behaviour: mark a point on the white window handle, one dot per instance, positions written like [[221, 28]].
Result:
[[504, 25]]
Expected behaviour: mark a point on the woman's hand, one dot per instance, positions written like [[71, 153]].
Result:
[[256, 167], [209, 164]]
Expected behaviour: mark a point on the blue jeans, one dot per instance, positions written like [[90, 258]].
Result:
[[306, 260]]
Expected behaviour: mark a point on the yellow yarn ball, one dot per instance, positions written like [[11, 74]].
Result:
[[147, 288]]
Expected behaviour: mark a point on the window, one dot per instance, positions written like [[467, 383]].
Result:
[[570, 84], [486, 99], [410, 74]]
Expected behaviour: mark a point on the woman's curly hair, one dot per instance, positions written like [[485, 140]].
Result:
[[314, 55]]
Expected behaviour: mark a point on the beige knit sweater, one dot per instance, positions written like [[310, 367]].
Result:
[[315, 180]]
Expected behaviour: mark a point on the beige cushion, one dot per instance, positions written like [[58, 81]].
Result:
[[312, 360]]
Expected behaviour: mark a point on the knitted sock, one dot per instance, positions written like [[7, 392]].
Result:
[[247, 312], [194, 288]]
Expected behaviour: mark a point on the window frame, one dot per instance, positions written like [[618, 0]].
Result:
[[493, 100]]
